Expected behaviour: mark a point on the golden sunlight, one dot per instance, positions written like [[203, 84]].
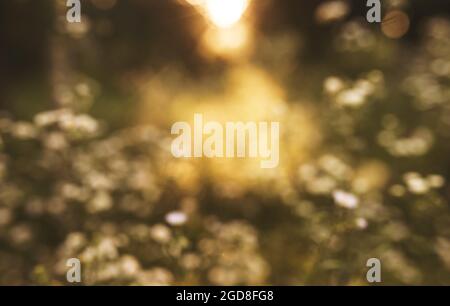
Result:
[[230, 43], [222, 13]]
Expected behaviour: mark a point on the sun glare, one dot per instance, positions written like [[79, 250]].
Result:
[[224, 13]]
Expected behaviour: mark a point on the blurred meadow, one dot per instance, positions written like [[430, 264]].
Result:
[[86, 169]]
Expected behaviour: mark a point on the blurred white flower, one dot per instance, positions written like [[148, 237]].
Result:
[[176, 218], [160, 233], [361, 223], [345, 199], [416, 184]]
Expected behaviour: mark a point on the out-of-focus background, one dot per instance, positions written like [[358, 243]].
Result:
[[85, 163]]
